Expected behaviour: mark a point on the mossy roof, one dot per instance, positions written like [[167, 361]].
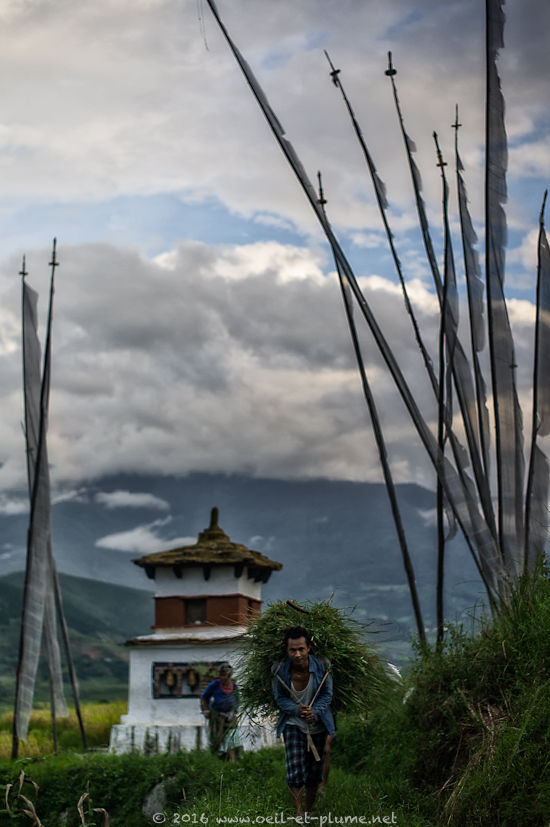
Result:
[[213, 547]]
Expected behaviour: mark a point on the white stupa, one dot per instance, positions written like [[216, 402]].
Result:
[[206, 595]]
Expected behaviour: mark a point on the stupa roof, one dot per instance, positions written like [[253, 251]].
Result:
[[213, 548]]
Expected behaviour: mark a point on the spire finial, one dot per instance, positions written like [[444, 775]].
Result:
[[214, 518]]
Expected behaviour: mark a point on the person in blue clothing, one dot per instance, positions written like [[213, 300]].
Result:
[[219, 703], [302, 688]]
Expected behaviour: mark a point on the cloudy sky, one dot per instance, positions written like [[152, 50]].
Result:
[[198, 320]]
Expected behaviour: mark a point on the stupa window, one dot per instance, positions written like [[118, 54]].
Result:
[[195, 611]]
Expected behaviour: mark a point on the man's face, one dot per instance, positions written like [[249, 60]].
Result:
[[298, 651]]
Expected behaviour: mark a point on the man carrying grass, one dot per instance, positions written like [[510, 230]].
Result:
[[303, 691]]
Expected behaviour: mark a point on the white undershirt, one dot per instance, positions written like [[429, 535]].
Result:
[[304, 696]]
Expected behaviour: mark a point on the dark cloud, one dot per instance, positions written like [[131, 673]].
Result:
[[221, 359], [237, 357], [244, 365]]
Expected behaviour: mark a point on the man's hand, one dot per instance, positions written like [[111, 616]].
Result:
[[307, 713], [207, 713]]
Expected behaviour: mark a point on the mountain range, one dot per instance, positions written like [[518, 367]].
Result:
[[332, 537]]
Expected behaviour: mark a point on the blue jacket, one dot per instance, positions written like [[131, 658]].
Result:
[[218, 699], [321, 706]]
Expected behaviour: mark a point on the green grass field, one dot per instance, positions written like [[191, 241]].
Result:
[[98, 718], [463, 740], [198, 787]]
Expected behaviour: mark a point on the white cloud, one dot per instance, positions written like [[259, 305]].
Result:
[[283, 263], [143, 539], [147, 108], [368, 240], [531, 159], [526, 255], [12, 506], [129, 499], [276, 221], [79, 495], [429, 515]]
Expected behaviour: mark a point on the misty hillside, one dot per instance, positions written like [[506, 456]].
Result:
[[331, 536], [100, 617]]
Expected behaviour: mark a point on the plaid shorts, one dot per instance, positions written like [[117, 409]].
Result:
[[302, 770]]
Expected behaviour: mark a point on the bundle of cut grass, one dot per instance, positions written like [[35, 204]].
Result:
[[336, 638]]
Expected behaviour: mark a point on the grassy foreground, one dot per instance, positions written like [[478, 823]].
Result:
[[462, 741], [198, 789]]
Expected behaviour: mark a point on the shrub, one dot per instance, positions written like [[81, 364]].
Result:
[[481, 712]]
